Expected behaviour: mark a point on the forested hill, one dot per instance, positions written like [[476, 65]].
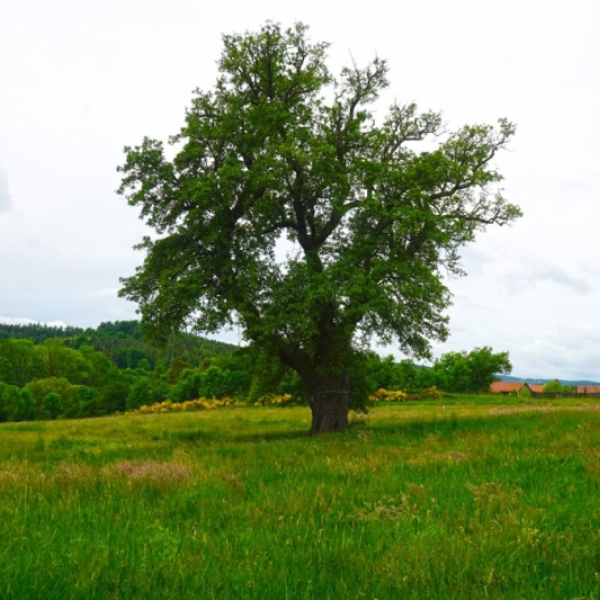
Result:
[[122, 341], [51, 372], [37, 332]]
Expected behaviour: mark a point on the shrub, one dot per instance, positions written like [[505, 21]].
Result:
[[187, 387], [432, 393], [87, 403], [25, 407], [52, 405], [276, 400], [389, 396], [41, 388], [9, 400], [139, 394], [197, 404]]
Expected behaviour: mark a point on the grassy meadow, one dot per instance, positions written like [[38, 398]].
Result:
[[459, 498]]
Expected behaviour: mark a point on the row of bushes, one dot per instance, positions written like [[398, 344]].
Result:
[[59, 378], [212, 403], [271, 400], [430, 393], [54, 398], [36, 402]]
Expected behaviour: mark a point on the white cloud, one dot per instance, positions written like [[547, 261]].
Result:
[[56, 324], [558, 276], [584, 182], [112, 292], [27, 321], [5, 198]]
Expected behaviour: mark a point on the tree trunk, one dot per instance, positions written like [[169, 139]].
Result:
[[330, 404]]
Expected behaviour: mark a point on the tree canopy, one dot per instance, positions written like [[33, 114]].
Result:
[[281, 155], [473, 371]]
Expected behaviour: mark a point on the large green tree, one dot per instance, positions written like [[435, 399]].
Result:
[[471, 372], [282, 151]]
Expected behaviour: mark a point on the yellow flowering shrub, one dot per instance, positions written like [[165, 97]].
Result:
[[210, 404], [198, 404], [388, 396], [432, 393], [276, 400]]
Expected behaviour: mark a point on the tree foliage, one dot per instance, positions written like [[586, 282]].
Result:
[[472, 371], [554, 387], [123, 342], [67, 377], [278, 151]]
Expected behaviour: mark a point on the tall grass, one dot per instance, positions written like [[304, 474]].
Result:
[[461, 499]]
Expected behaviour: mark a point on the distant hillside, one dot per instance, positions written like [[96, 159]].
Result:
[[544, 381], [123, 342], [37, 332]]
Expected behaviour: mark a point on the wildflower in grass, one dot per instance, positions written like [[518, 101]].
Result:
[[432, 393], [389, 396], [73, 473], [386, 509], [493, 496], [276, 400], [13, 475], [148, 472], [198, 404]]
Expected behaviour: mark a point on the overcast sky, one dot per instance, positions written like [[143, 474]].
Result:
[[80, 80]]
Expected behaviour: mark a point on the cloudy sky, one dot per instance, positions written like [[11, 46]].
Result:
[[80, 80]]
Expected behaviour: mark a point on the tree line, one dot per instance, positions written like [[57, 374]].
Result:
[[114, 368], [82, 373]]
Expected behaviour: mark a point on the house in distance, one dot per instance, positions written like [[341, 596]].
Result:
[[522, 388], [509, 387]]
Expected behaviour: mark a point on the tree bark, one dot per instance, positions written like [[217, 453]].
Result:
[[330, 404]]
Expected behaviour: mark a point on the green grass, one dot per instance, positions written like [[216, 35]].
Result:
[[462, 498]]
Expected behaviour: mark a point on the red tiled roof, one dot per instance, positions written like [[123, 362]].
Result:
[[588, 389], [499, 387], [538, 388]]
